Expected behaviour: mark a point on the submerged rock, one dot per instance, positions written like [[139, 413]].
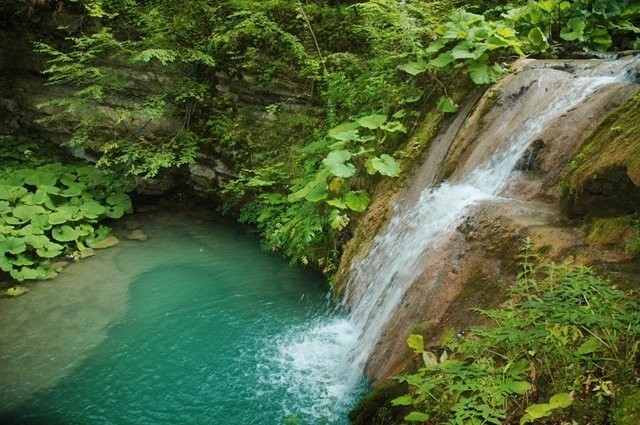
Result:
[[16, 291], [106, 243], [137, 235]]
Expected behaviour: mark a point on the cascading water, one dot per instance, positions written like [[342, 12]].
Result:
[[401, 252]]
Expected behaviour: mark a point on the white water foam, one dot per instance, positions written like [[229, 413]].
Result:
[[308, 363], [320, 365], [400, 252]]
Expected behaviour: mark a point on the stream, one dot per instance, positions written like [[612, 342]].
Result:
[[195, 325]]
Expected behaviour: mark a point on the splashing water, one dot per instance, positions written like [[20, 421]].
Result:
[[400, 253]]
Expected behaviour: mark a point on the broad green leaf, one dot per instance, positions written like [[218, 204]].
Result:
[[64, 233], [416, 417], [372, 121], [574, 29], [64, 214], [442, 60], [540, 410], [560, 401], [40, 177], [548, 5], [92, 209], [337, 203], [519, 387], [345, 131], [116, 211], [6, 265], [435, 46], [36, 240], [447, 105], [416, 343], [25, 273], [591, 345], [12, 245], [357, 201], [72, 191], [51, 250], [314, 191], [537, 39], [11, 193], [600, 39], [41, 222], [464, 50], [414, 68], [26, 212], [404, 400], [22, 260], [120, 199], [481, 73], [38, 198], [385, 165], [336, 163]]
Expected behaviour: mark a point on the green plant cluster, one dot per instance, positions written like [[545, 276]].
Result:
[[481, 46], [334, 186], [564, 343], [52, 210], [338, 62]]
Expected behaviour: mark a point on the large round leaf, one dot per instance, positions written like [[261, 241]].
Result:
[[64, 233], [41, 221], [92, 209], [385, 165], [36, 241], [50, 250], [27, 212], [12, 245], [372, 121], [357, 201], [11, 193], [65, 213], [40, 177], [38, 198], [121, 200], [72, 191], [6, 264], [336, 163]]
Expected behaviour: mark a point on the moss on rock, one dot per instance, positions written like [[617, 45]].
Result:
[[604, 178]]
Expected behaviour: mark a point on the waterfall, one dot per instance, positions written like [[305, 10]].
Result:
[[416, 230], [324, 362]]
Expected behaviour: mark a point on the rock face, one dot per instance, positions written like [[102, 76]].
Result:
[[23, 90], [475, 264]]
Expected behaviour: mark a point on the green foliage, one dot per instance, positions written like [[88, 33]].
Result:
[[632, 247], [564, 337], [479, 45], [122, 107], [51, 210], [323, 200]]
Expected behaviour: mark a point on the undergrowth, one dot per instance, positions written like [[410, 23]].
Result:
[[562, 348]]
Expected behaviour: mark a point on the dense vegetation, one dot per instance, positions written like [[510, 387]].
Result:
[[562, 349], [340, 88], [337, 89]]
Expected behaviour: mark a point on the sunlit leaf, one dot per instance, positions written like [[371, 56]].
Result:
[[357, 201], [372, 121], [336, 163], [414, 68]]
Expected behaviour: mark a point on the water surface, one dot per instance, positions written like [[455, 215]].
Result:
[[195, 325]]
